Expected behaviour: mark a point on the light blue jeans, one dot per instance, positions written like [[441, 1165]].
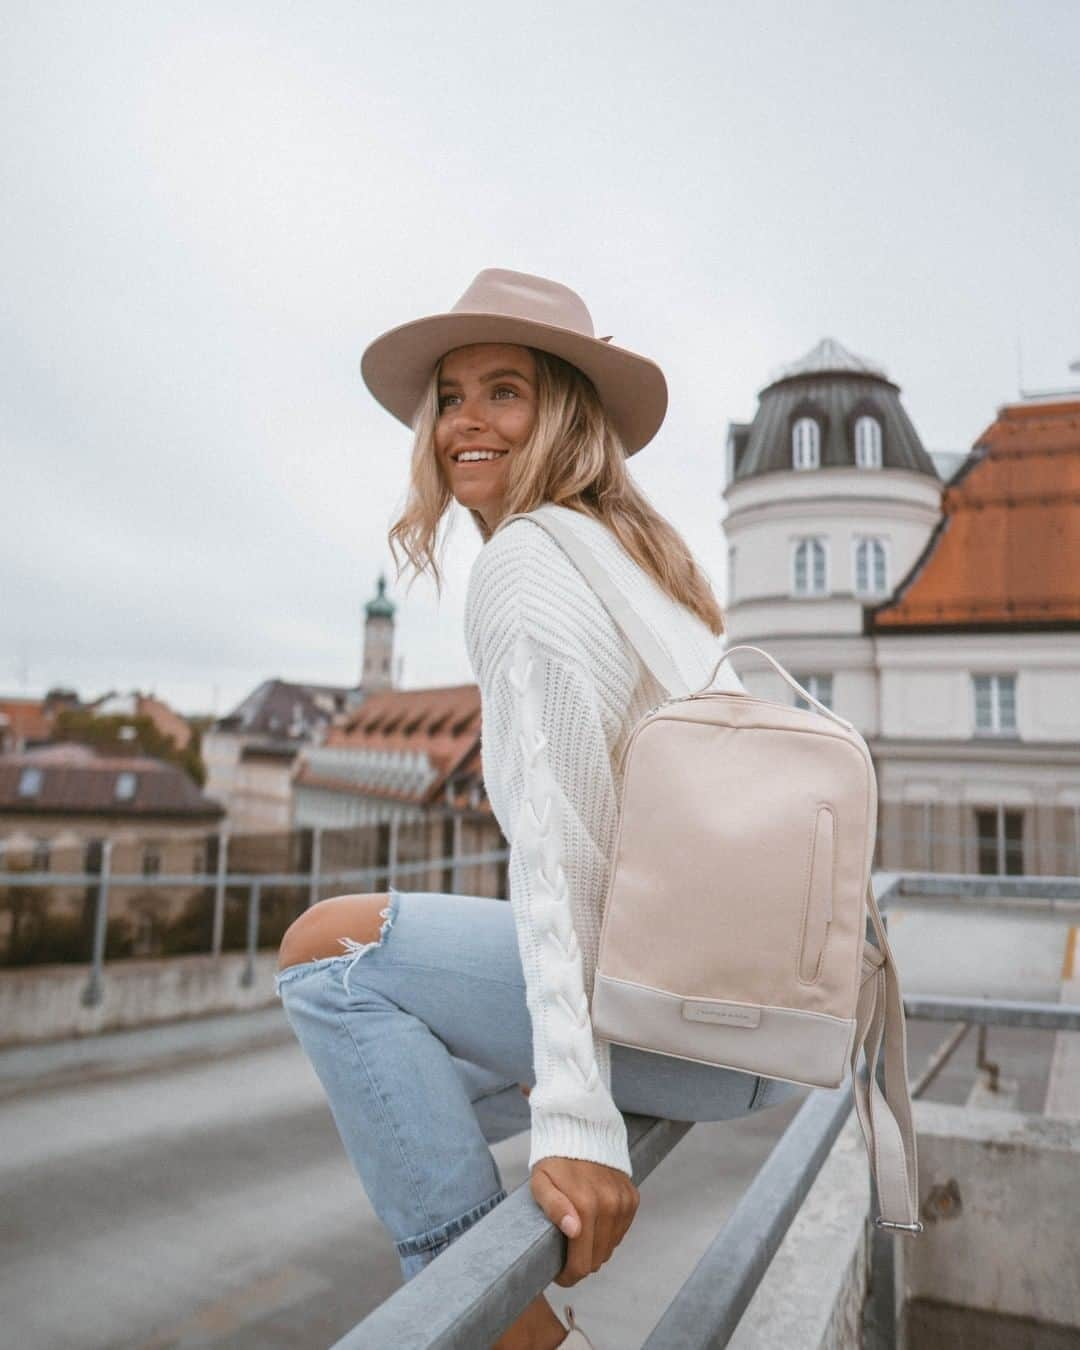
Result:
[[421, 1041]]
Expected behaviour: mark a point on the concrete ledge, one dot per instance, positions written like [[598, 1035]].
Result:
[[812, 1295], [999, 1192], [44, 1003]]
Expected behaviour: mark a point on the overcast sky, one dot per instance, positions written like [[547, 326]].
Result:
[[210, 209]]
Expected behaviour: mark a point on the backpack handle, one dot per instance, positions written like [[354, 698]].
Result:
[[789, 679]]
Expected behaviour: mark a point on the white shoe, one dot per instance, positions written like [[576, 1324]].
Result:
[[577, 1340]]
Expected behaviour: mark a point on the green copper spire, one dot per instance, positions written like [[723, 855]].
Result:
[[380, 607]]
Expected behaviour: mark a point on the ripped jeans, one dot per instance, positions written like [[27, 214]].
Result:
[[421, 1040]]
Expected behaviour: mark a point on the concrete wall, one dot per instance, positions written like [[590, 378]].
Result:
[[43, 1003], [1010, 1243], [1010, 1246], [256, 794]]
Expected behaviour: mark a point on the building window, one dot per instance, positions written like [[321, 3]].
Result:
[[94, 856], [806, 443], [870, 578], [995, 705], [731, 575], [30, 782], [867, 442], [145, 935], [151, 860], [909, 835], [125, 786], [809, 567], [1000, 842], [42, 856], [817, 686]]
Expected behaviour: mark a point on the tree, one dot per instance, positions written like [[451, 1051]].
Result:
[[121, 735]]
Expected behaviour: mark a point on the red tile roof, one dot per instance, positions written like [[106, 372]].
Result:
[[24, 719], [1007, 550], [443, 723]]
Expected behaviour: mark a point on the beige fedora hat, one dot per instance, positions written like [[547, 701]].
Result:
[[530, 311]]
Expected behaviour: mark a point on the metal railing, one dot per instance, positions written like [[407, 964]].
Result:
[[482, 1282], [313, 883], [488, 1276]]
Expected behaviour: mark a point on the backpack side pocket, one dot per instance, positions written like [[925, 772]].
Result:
[[817, 904]]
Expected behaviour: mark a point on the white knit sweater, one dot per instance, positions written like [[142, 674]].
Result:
[[561, 690]]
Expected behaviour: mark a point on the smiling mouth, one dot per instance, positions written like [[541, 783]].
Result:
[[468, 463]]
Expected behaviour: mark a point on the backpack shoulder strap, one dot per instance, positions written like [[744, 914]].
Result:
[[885, 1118], [626, 618]]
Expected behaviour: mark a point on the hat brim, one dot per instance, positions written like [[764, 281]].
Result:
[[398, 365]]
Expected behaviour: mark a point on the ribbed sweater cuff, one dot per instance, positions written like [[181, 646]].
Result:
[[561, 1136]]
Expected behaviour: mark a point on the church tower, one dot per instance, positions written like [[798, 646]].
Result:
[[377, 669], [831, 499]]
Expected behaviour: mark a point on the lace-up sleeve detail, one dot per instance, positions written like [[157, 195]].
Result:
[[557, 689], [556, 869]]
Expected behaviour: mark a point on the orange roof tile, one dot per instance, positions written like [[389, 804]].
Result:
[[410, 719], [27, 719], [443, 722], [1007, 550]]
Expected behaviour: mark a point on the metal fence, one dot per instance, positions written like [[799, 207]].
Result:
[[190, 892], [485, 1279], [229, 902]]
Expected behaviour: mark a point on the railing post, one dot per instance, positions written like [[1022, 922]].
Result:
[[455, 874], [879, 1307], [391, 862], [218, 927], [94, 991], [248, 977], [316, 865]]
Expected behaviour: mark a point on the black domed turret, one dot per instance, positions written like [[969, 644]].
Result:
[[831, 409]]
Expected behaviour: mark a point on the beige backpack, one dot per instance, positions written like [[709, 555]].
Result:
[[734, 929]]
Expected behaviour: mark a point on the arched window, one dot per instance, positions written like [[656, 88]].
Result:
[[870, 578], [805, 443], [867, 442], [809, 567]]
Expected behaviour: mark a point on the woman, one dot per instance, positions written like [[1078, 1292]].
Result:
[[422, 1029]]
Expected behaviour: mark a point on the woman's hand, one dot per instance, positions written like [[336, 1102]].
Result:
[[591, 1203]]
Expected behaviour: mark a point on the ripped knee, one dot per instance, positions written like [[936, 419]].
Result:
[[355, 948], [324, 929]]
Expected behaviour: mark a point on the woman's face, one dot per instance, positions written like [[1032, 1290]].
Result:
[[487, 402]]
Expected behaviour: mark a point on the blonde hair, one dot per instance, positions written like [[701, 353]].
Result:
[[573, 457]]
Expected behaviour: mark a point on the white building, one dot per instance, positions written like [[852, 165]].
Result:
[[954, 647]]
